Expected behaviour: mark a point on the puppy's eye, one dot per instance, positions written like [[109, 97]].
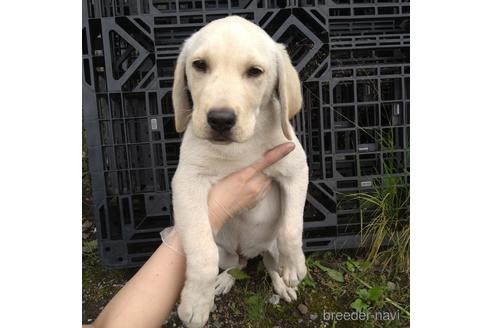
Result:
[[200, 65], [254, 71]]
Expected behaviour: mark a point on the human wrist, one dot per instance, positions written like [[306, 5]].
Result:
[[215, 217], [173, 241]]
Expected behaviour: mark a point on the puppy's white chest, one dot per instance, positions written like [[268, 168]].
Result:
[[226, 166], [253, 231]]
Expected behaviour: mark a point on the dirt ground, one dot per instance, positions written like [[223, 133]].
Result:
[[251, 303]]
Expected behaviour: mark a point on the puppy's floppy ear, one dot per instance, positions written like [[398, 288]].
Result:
[[289, 89], [181, 99]]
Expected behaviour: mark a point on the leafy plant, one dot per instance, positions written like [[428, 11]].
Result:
[[238, 274], [89, 247], [255, 307], [357, 265], [367, 298], [234, 309], [359, 305], [374, 295], [311, 264], [333, 274], [308, 281], [371, 296], [310, 261]]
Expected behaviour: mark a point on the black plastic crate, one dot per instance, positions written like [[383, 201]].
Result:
[[353, 60]]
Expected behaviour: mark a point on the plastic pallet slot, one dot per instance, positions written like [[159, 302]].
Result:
[[368, 8], [354, 67]]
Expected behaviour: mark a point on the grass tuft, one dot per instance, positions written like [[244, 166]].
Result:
[[385, 217]]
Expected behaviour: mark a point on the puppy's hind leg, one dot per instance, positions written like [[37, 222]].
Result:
[[227, 261], [270, 259]]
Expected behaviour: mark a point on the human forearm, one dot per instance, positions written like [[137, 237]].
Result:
[[147, 299]]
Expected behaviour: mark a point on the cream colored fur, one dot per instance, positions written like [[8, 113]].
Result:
[[263, 106]]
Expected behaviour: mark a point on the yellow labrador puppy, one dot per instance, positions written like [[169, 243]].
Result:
[[233, 94]]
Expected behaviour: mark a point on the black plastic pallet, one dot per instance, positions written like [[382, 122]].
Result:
[[353, 60]]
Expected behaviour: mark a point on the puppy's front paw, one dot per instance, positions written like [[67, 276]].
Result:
[[196, 302], [224, 283], [288, 294], [293, 269]]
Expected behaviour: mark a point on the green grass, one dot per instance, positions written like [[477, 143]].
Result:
[[385, 216], [99, 284], [387, 232], [338, 282]]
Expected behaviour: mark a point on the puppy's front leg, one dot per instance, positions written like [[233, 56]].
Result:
[[202, 257], [289, 240]]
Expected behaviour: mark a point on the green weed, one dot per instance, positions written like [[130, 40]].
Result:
[[255, 306]]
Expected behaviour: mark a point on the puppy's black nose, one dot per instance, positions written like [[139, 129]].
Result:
[[221, 119]]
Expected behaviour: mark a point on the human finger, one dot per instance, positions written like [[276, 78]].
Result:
[[270, 157]]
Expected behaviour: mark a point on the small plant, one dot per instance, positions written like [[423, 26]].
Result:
[[387, 209], [89, 248], [308, 281], [385, 214], [312, 264], [356, 265], [375, 296], [333, 274], [368, 298], [234, 309], [238, 274], [255, 307]]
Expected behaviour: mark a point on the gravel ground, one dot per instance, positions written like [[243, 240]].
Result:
[[252, 303]]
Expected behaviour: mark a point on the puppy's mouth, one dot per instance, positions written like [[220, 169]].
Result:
[[221, 138]]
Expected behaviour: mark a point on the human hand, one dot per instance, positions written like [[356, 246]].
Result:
[[243, 189]]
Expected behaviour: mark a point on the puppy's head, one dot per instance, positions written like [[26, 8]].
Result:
[[225, 73]]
